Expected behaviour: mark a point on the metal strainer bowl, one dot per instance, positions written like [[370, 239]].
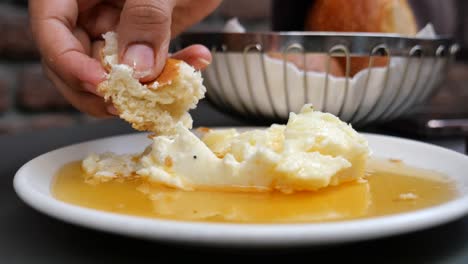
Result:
[[246, 81]]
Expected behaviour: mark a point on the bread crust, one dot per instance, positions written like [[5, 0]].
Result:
[[385, 16], [372, 16]]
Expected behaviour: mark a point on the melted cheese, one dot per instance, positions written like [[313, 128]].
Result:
[[313, 150]]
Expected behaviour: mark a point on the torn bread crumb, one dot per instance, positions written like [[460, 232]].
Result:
[[156, 106]]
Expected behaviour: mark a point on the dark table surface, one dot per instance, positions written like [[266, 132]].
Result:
[[27, 236]]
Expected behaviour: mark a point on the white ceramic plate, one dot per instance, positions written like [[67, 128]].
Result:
[[32, 183]]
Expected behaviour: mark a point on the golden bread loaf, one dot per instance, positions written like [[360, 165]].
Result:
[[373, 16]]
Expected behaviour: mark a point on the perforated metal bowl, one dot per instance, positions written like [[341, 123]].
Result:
[[246, 81]]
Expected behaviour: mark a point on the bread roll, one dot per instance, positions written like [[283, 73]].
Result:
[[386, 16], [375, 16], [314, 62], [156, 106]]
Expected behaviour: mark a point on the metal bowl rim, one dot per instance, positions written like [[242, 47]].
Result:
[[362, 35]]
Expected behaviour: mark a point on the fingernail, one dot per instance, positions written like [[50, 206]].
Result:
[[141, 58], [112, 110], [204, 62], [90, 88]]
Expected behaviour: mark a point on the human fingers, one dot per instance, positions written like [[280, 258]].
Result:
[[144, 36], [100, 19], [196, 55], [52, 23], [85, 102]]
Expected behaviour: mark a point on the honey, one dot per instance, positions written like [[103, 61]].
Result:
[[390, 187]]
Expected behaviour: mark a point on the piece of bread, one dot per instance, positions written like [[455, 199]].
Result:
[[155, 106], [387, 16], [374, 16], [313, 62]]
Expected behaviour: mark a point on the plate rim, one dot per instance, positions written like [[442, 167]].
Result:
[[240, 234]]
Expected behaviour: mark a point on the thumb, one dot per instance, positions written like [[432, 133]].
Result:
[[144, 35]]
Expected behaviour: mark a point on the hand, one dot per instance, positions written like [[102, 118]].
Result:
[[68, 34]]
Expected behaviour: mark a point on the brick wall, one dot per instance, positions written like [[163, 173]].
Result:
[[29, 101]]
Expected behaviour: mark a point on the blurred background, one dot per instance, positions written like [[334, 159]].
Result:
[[29, 101]]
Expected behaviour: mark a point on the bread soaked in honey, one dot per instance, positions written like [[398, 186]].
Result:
[[390, 187]]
